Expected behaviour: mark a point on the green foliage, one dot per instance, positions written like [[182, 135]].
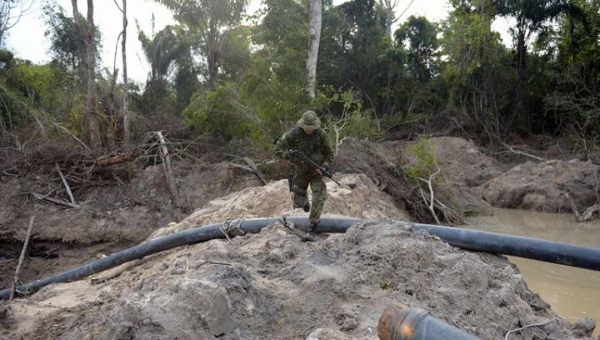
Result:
[[27, 90], [421, 37], [477, 67], [207, 22], [247, 83], [284, 46], [355, 52], [427, 163], [66, 43], [216, 112], [353, 121]]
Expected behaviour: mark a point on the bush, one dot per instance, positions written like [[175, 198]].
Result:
[[427, 163]]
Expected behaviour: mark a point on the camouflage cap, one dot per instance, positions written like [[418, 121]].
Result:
[[309, 120]]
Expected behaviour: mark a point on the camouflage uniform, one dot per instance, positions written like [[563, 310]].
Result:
[[317, 147]]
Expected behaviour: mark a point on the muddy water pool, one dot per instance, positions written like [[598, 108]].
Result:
[[573, 293]]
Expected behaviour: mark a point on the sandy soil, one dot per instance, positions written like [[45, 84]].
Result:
[[273, 286]]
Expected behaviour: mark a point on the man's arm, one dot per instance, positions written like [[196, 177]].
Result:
[[280, 150]]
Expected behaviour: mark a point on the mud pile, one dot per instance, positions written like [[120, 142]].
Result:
[[463, 167], [357, 197], [543, 186], [273, 286], [113, 216]]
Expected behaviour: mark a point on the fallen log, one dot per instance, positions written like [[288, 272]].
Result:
[[122, 158]]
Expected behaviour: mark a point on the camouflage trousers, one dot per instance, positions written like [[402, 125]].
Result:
[[302, 178]]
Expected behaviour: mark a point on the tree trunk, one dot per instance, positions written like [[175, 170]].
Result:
[[314, 32], [520, 74], [88, 33], [212, 69], [126, 136]]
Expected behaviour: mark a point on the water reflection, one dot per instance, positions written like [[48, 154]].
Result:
[[574, 293]]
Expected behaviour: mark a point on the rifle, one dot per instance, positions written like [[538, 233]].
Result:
[[306, 160]]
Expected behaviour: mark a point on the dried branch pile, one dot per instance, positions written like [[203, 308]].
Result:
[[362, 157]]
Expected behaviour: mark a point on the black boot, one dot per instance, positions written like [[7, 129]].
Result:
[[306, 207], [311, 234]]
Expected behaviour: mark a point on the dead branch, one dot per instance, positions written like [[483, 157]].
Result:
[[122, 158], [511, 149], [211, 262], [243, 167], [450, 215], [588, 213], [66, 184], [528, 326], [255, 169], [114, 272], [431, 203], [54, 200], [72, 135], [21, 258], [167, 164]]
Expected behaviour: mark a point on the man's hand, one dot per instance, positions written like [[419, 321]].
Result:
[[319, 171], [292, 158]]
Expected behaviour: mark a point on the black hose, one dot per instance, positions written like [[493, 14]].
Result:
[[542, 250], [576, 256], [202, 234]]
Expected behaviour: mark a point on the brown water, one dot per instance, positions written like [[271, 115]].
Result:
[[573, 293]]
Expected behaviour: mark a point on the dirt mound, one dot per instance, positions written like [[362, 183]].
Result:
[[382, 164], [542, 186], [357, 197], [273, 286], [463, 167], [463, 163]]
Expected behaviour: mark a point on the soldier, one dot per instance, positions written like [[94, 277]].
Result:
[[307, 137]]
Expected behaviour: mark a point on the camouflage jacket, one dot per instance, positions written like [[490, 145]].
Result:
[[316, 146]]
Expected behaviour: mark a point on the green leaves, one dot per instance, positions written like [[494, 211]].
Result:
[[421, 37]]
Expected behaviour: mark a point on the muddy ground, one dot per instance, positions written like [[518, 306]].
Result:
[[274, 285]]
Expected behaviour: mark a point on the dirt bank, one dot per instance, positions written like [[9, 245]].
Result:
[[542, 186], [115, 216], [473, 181], [273, 286]]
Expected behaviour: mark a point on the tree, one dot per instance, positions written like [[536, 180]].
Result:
[[169, 53], [354, 51], [420, 36], [88, 31], [476, 66], [7, 19], [208, 20], [67, 45], [389, 6], [573, 99], [532, 16], [125, 80], [314, 33]]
